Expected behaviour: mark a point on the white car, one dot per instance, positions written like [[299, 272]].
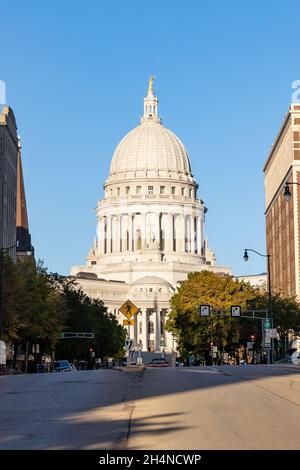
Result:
[[296, 358]]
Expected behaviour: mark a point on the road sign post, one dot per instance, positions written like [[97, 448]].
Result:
[[128, 309]]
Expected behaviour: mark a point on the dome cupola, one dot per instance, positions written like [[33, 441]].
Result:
[[150, 149]]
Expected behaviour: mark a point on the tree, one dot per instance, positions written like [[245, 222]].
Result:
[[12, 292], [87, 315], [193, 332]]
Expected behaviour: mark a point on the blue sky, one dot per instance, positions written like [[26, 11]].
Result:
[[76, 73]]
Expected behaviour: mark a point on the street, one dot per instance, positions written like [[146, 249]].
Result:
[[228, 407]]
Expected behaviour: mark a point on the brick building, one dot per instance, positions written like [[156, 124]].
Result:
[[282, 216]]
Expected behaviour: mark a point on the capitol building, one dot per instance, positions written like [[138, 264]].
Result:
[[150, 230]]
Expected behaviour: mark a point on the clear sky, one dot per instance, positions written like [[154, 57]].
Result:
[[76, 73]]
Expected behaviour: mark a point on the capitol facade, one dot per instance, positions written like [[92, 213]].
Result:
[[149, 230]]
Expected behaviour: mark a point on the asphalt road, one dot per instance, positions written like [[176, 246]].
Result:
[[230, 407]]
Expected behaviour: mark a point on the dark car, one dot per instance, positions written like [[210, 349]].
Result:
[[62, 366], [159, 362]]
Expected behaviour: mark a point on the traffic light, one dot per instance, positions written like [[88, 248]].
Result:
[[211, 345], [252, 337], [91, 352]]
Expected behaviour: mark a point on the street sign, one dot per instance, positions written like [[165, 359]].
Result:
[[128, 309], [267, 323], [128, 322], [2, 352], [70, 334], [204, 310], [235, 311], [271, 332]]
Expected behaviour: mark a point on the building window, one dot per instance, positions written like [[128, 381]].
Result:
[[138, 240], [138, 189], [162, 239], [150, 189], [118, 191], [127, 190], [190, 192], [111, 193], [151, 345], [94, 262], [140, 327], [162, 190], [173, 190], [182, 191], [150, 327]]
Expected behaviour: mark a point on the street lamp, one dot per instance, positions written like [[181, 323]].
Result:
[[2, 250], [246, 257], [286, 192]]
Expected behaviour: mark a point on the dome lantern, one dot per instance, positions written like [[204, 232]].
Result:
[[150, 104]]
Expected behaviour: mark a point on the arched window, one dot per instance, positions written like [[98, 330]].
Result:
[[150, 327]]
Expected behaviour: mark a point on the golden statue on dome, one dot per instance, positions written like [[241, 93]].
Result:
[[150, 87]]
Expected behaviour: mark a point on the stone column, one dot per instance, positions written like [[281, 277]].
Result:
[[117, 231], [156, 228], [130, 228], [193, 241], [157, 330], [171, 231], [182, 233], [121, 242], [168, 231], [109, 234], [144, 230], [144, 329], [199, 235], [100, 236]]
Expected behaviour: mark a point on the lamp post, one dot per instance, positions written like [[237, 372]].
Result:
[[2, 250], [246, 257]]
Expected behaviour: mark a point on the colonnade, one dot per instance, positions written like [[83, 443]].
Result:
[[173, 232], [149, 330]]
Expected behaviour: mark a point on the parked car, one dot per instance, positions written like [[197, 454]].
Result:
[[159, 362], [62, 366]]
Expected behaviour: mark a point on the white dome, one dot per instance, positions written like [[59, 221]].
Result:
[[152, 280], [150, 146]]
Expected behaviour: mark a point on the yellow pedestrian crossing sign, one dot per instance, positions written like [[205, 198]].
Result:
[[128, 309], [128, 322]]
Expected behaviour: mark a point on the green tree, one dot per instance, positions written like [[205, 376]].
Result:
[[194, 332], [12, 293], [87, 315]]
